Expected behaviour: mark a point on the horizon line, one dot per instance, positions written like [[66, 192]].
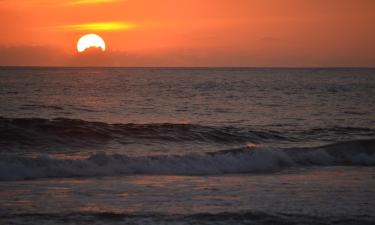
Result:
[[193, 67]]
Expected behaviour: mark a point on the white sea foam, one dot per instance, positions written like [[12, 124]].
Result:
[[222, 162]]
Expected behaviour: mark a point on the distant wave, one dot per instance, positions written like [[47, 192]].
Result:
[[256, 218], [40, 106], [244, 160]]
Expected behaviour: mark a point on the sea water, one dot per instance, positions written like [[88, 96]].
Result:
[[187, 146]]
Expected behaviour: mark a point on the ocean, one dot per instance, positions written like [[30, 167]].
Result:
[[187, 146]]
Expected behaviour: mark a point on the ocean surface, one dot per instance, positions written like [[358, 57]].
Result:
[[187, 146]]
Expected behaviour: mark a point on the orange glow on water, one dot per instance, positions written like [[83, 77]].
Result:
[[251, 145]]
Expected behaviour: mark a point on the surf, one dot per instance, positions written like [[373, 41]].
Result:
[[232, 161]]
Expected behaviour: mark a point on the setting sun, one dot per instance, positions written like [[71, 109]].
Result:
[[90, 40]]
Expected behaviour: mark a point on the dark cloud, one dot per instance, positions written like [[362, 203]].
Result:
[[31, 56], [179, 57], [50, 56]]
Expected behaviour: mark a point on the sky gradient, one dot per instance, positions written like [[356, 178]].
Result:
[[259, 33]]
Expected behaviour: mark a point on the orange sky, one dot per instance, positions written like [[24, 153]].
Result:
[[189, 32]]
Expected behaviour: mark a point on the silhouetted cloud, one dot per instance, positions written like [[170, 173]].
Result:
[[178, 57], [51, 56], [31, 56]]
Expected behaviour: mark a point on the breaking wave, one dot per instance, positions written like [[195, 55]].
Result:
[[244, 160]]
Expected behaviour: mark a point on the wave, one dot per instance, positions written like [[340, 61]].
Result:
[[73, 132], [41, 106], [243, 160], [36, 133], [256, 218]]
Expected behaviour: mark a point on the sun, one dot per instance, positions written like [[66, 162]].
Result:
[[90, 40]]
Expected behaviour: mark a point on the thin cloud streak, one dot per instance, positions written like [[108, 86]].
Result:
[[81, 2], [102, 26]]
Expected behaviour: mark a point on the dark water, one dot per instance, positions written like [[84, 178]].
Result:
[[187, 146]]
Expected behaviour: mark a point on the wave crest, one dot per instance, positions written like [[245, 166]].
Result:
[[73, 132]]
